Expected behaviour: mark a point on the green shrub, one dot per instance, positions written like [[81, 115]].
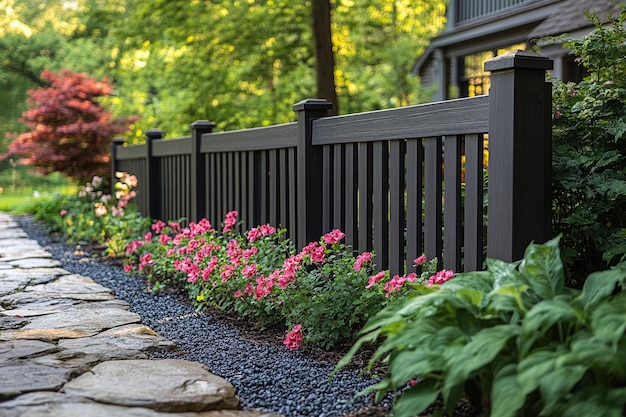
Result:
[[589, 159], [325, 291], [93, 216], [513, 338]]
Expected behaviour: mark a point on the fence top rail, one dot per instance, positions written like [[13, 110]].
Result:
[[125, 153], [255, 139], [171, 147], [451, 117]]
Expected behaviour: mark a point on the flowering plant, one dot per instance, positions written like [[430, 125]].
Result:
[[94, 216]]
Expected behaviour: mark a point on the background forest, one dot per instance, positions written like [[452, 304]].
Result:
[[240, 63]]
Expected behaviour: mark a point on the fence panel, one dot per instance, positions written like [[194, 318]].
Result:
[[401, 182], [396, 200], [253, 172]]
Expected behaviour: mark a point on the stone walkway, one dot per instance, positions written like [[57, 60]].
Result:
[[69, 348]]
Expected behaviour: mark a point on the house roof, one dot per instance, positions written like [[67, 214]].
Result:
[[570, 16], [543, 18]]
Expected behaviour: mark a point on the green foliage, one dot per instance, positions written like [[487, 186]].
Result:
[[93, 216], [70, 131], [513, 338], [325, 291], [589, 159]]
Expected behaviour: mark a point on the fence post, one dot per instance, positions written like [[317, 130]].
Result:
[[198, 169], [520, 154], [114, 163], [309, 165], [153, 176]]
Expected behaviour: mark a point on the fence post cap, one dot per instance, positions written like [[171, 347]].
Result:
[[312, 104], [202, 124], [118, 141], [519, 59], [154, 133]]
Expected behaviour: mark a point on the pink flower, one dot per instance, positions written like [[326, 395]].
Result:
[[361, 259], [227, 272], [267, 230], [309, 248], [375, 279], [128, 268], [318, 254], [230, 220], [395, 284], [147, 237], [249, 290], [420, 260], [249, 271], [557, 114], [334, 236], [133, 246], [158, 227], [164, 239], [293, 340], [440, 277], [248, 253], [63, 212], [101, 209], [254, 234], [238, 294]]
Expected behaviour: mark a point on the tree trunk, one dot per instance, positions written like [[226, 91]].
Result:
[[324, 56]]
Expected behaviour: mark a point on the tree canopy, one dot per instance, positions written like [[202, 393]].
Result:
[[240, 63], [70, 132]]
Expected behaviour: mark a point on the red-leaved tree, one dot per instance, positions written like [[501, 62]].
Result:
[[70, 131]]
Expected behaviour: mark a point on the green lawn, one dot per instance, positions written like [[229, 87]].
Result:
[[19, 200]]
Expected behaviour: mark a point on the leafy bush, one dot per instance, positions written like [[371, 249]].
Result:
[[324, 293], [70, 131], [513, 338], [94, 216], [589, 160]]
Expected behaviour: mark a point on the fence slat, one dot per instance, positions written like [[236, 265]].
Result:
[[452, 211], [396, 206], [380, 212], [327, 194], [283, 198], [473, 229], [432, 196], [273, 186], [291, 177], [351, 193], [339, 197], [365, 197], [414, 195]]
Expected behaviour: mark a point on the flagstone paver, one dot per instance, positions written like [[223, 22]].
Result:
[[68, 348]]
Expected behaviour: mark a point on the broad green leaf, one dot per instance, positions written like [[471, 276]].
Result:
[[543, 270], [541, 319], [480, 351], [416, 399], [503, 273], [600, 285], [589, 350], [477, 280], [533, 368], [556, 385], [507, 396], [508, 298], [604, 404], [407, 365], [608, 320]]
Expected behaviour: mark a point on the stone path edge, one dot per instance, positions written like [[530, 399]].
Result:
[[68, 347]]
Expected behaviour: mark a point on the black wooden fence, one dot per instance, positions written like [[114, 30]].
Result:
[[390, 179]]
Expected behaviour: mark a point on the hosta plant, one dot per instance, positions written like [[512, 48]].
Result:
[[513, 339]]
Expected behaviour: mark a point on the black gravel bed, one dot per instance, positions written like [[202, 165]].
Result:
[[266, 376]]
